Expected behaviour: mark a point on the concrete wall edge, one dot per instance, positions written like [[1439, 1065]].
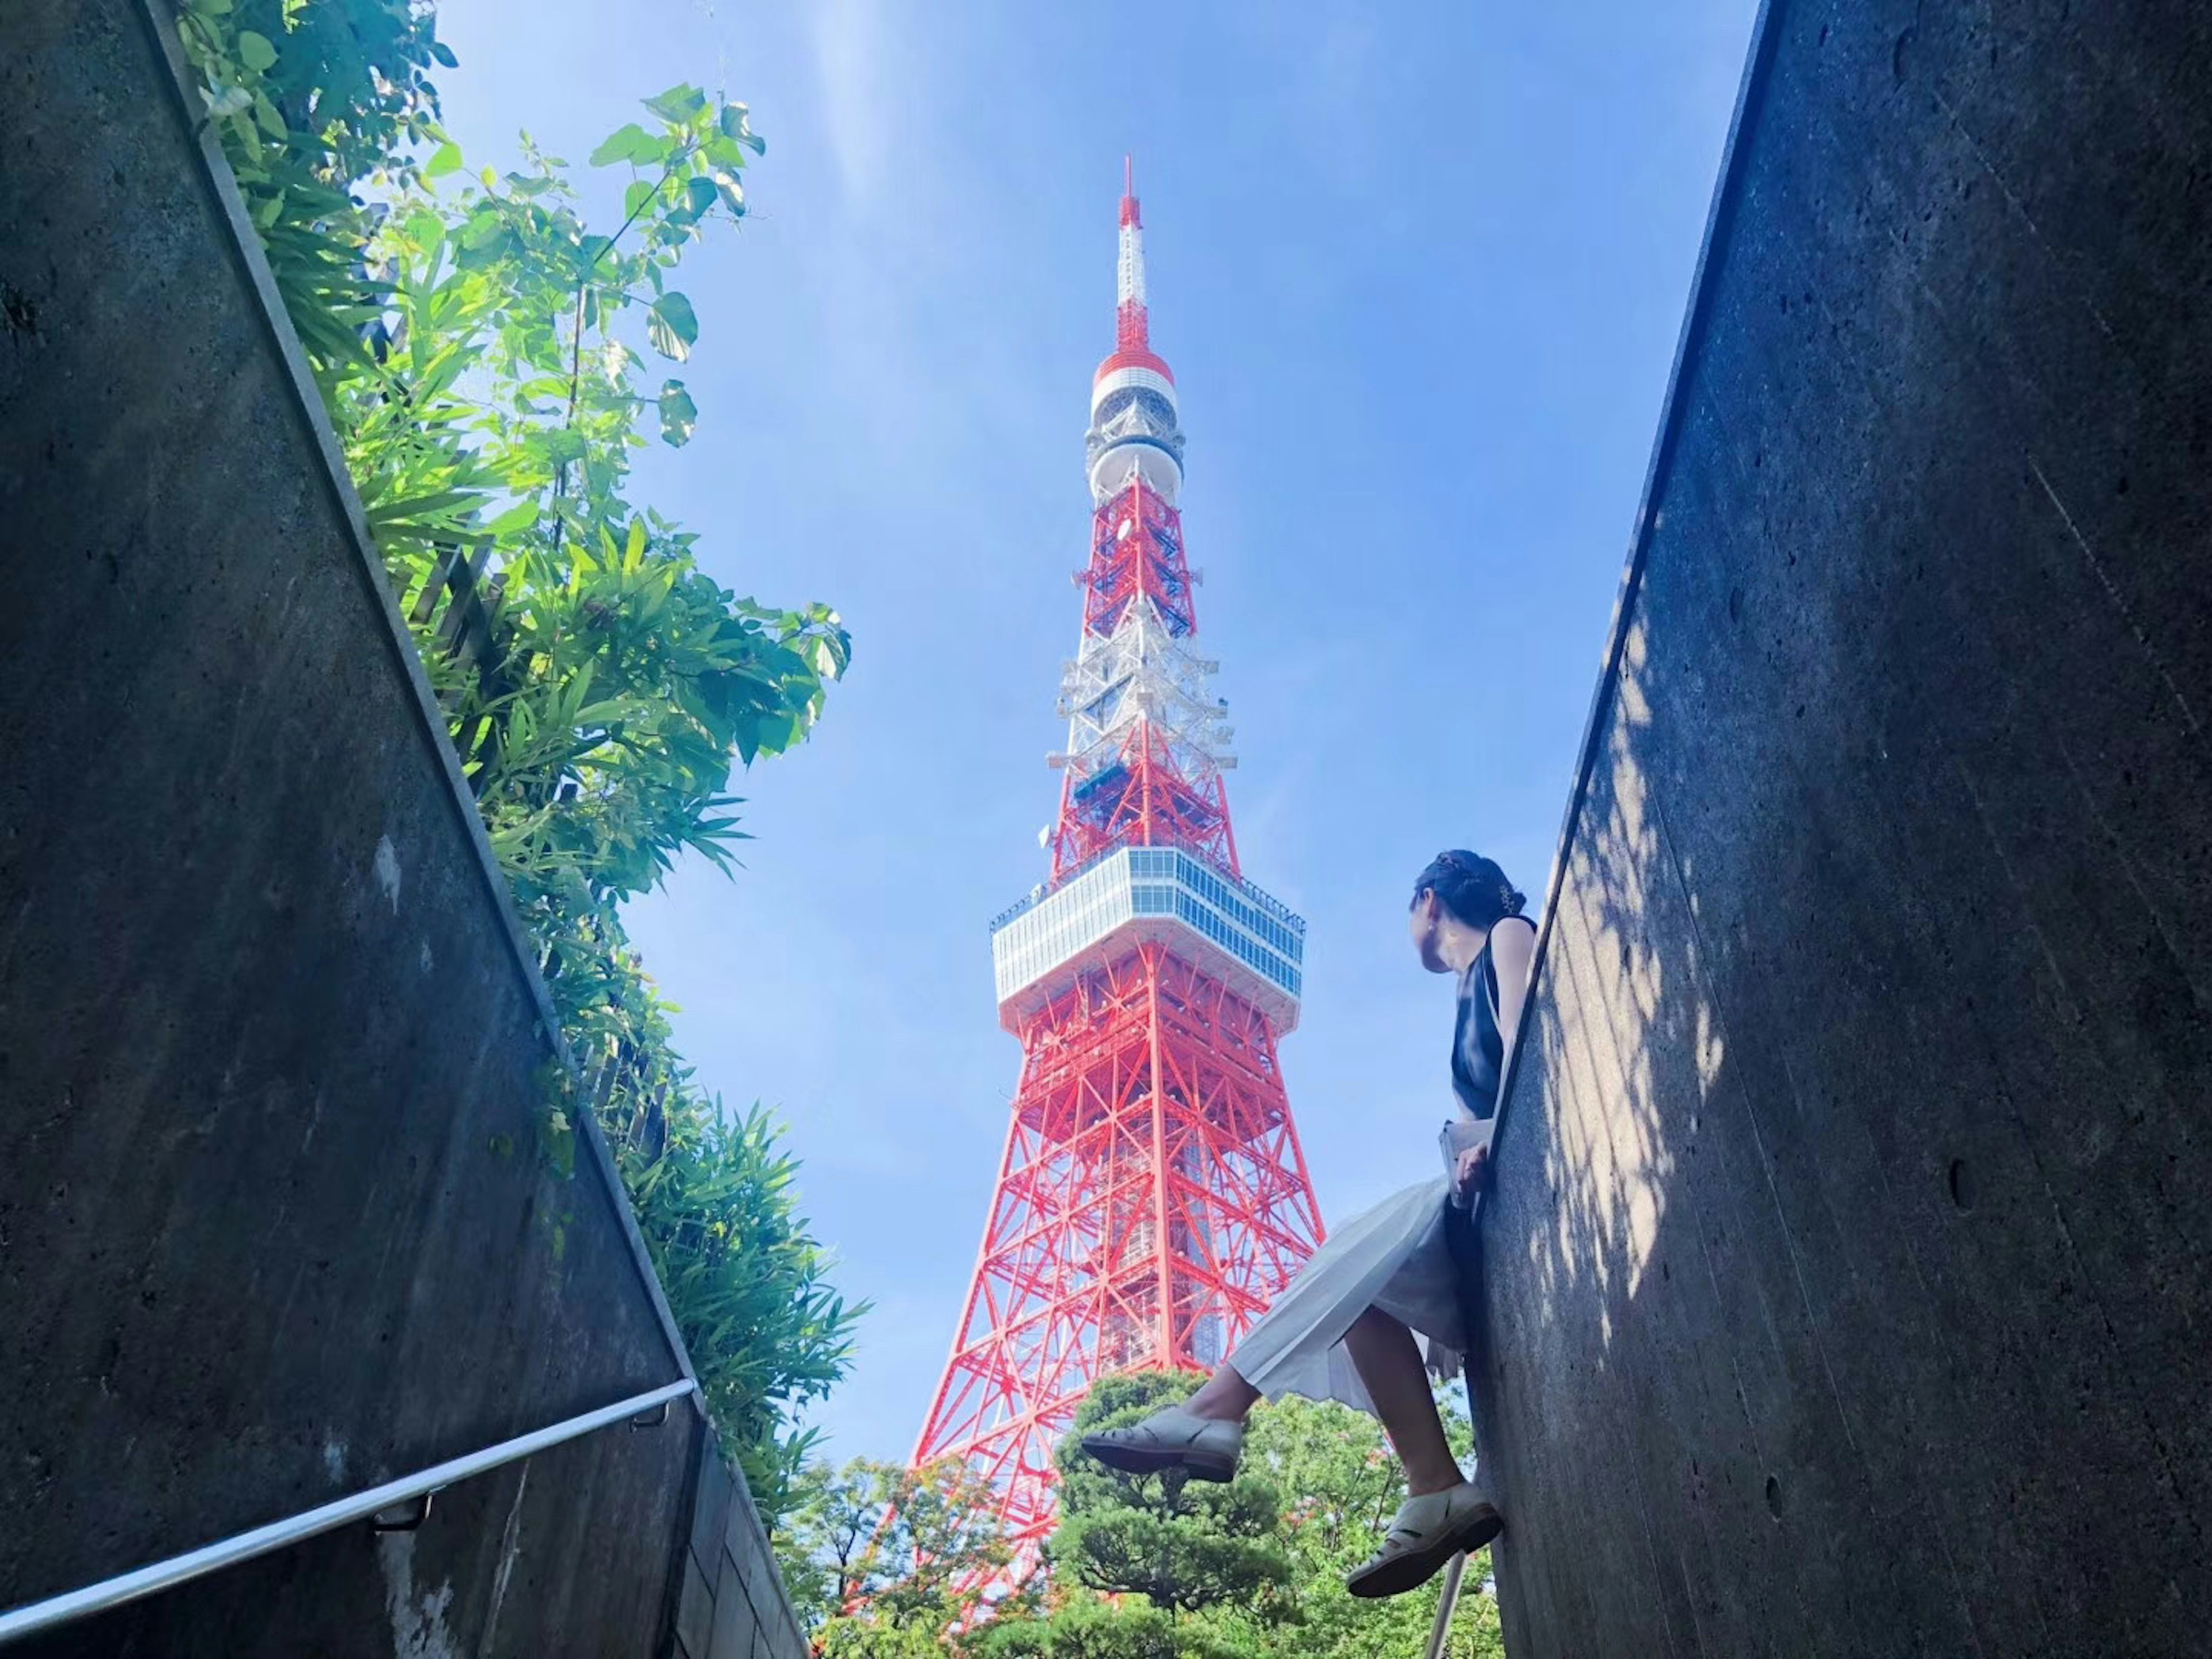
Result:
[[1719, 220]]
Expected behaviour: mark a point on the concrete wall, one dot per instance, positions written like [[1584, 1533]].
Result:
[[274, 1221], [730, 1601], [1848, 1262]]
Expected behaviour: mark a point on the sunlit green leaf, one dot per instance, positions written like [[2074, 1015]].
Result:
[[255, 51], [446, 160], [672, 326], [678, 103], [631, 143], [516, 519]]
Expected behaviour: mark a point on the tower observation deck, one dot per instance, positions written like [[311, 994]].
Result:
[[1152, 1197]]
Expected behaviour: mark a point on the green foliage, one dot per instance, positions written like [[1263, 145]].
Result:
[[1098, 1630], [1215, 1583], [1152, 1566], [1345, 1486], [880, 1559], [747, 1284], [1182, 1545], [482, 349]]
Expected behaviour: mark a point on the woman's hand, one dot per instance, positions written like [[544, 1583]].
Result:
[[1469, 1173]]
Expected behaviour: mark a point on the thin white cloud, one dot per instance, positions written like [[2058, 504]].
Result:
[[849, 38]]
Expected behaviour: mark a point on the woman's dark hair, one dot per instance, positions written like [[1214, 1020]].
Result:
[[1471, 887]]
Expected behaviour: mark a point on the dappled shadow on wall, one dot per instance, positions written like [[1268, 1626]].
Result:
[[1619, 1039]]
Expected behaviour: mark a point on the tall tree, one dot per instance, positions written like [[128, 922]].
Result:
[[1179, 1556], [882, 1560]]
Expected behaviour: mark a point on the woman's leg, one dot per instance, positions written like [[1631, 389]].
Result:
[[1226, 1398], [1389, 1362]]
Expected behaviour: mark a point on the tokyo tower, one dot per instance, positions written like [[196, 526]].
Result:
[[1153, 1197]]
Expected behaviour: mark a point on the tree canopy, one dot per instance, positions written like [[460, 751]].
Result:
[[883, 1561], [1141, 1567]]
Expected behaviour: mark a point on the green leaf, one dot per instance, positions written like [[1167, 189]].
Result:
[[724, 153], [255, 51], [678, 103], [562, 446], [731, 192], [631, 143], [516, 519], [736, 122], [447, 159], [444, 54], [678, 415], [483, 226], [700, 194], [672, 326], [635, 199]]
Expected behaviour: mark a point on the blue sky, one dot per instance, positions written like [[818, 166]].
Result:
[[1419, 268]]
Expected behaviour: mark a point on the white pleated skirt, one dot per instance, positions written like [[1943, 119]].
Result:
[[1392, 1257]]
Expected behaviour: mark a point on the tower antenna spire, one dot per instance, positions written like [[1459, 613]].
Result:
[[1131, 326]]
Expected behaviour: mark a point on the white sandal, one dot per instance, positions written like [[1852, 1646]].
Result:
[[1205, 1448], [1425, 1533]]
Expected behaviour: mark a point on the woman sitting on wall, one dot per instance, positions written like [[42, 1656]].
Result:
[[1344, 1328]]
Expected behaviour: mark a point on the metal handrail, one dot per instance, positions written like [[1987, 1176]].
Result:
[[1447, 1604], [35, 1616]]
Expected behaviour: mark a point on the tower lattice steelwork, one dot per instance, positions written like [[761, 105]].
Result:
[[1153, 1196]]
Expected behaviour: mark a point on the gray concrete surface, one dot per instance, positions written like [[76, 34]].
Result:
[[274, 1221], [1848, 1263], [729, 1600]]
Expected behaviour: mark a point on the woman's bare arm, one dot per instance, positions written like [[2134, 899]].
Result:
[[1512, 948]]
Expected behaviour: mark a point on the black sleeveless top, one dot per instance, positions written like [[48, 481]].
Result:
[[1477, 1058]]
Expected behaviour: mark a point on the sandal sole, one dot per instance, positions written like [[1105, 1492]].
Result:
[[1416, 1567], [1140, 1460]]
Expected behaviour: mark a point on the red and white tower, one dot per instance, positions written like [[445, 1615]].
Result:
[[1153, 1197]]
